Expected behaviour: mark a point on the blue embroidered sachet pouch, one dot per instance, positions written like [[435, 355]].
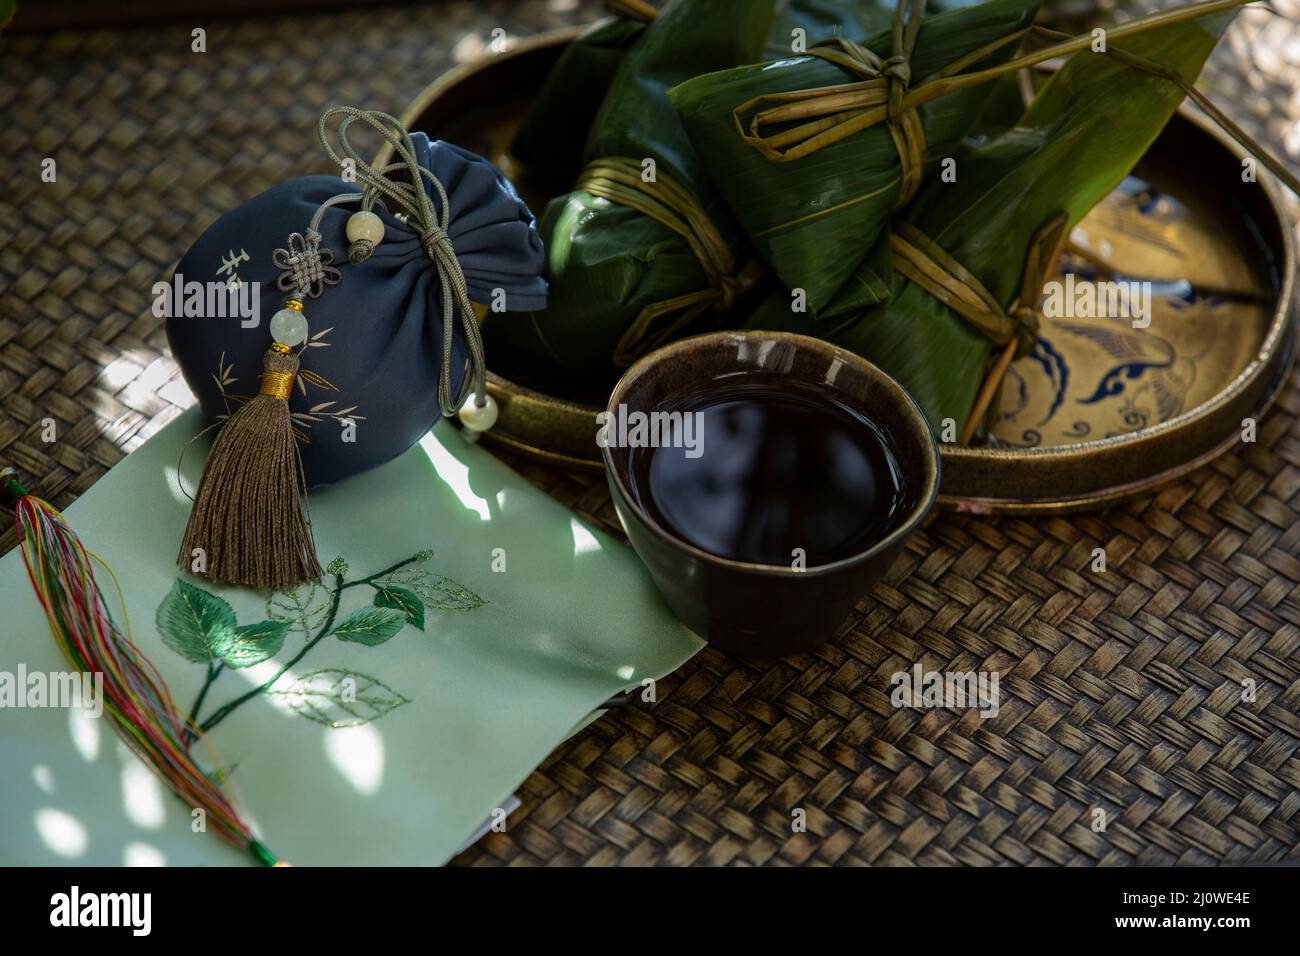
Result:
[[369, 383]]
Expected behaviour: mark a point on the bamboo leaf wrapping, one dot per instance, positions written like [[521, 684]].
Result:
[[606, 262], [820, 19], [1082, 134], [551, 138], [816, 219]]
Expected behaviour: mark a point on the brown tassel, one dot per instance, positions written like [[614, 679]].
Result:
[[248, 516]]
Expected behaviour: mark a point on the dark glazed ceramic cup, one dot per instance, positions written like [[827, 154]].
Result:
[[768, 610]]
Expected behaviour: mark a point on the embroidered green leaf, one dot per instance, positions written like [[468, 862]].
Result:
[[408, 602], [370, 625], [304, 608], [436, 591], [338, 698], [443, 593], [338, 567], [195, 624], [254, 643]]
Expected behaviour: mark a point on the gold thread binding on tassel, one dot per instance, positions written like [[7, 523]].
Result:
[[278, 384]]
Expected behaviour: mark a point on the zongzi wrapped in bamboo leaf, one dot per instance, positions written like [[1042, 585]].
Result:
[[551, 138], [643, 246], [1081, 135], [800, 153], [798, 24], [824, 19]]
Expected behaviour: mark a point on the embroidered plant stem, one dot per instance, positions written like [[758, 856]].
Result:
[[226, 709], [214, 671], [421, 556], [370, 626]]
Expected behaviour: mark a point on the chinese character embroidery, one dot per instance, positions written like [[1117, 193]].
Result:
[[229, 264]]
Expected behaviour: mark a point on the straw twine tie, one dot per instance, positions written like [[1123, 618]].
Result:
[[828, 114], [674, 206]]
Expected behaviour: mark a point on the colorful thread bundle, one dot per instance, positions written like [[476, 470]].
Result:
[[62, 574]]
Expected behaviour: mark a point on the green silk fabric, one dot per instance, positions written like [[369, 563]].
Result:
[[531, 619]]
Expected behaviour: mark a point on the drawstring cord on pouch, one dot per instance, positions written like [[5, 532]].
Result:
[[413, 205]]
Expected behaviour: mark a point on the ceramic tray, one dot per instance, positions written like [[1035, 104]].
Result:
[[1099, 410]]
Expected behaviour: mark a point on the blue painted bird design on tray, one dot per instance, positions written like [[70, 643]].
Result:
[[1152, 313]]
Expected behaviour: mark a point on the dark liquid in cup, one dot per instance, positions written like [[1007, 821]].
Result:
[[781, 466]]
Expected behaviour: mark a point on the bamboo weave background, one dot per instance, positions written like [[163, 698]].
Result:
[[1120, 691]]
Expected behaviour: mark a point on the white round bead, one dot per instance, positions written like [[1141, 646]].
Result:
[[476, 418], [288, 327], [365, 225]]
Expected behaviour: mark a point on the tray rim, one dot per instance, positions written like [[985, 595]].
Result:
[[1279, 340]]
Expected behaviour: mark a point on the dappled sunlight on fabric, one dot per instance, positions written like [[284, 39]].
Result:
[[142, 854], [264, 672], [62, 832], [455, 474], [358, 754], [584, 542], [579, 651], [85, 732], [173, 484], [142, 793], [43, 777], [258, 674]]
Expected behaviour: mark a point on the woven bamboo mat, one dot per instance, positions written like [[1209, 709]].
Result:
[[1120, 691]]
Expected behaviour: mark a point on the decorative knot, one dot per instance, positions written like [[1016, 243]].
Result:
[[922, 260], [766, 122], [1027, 318], [899, 73], [898, 68], [305, 267], [360, 251], [437, 243], [728, 288]]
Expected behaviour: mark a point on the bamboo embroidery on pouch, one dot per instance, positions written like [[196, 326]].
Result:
[[302, 422], [203, 628]]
